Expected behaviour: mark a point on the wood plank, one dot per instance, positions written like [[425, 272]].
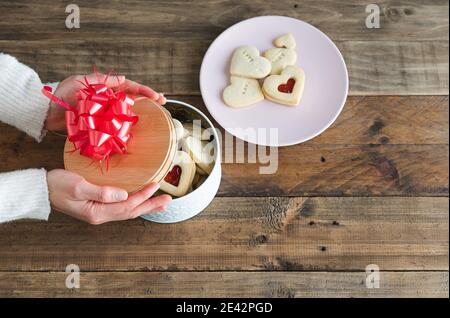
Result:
[[171, 66], [234, 234], [397, 68], [378, 146], [394, 120], [342, 20], [323, 170], [309, 170], [225, 284]]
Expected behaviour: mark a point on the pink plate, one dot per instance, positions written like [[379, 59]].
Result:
[[324, 95]]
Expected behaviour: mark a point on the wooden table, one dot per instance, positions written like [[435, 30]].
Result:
[[372, 189]]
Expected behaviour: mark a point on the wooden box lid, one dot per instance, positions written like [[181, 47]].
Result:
[[150, 152]]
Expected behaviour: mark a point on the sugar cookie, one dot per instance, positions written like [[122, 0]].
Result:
[[179, 129], [280, 58], [246, 62], [242, 92], [286, 41], [194, 129], [200, 151], [179, 179], [286, 88]]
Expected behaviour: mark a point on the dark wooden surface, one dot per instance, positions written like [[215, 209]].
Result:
[[372, 189]]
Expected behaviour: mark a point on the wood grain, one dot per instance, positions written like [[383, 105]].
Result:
[[240, 234], [342, 20], [378, 146], [347, 170], [171, 66], [393, 120], [324, 170], [225, 284], [282, 243], [153, 134]]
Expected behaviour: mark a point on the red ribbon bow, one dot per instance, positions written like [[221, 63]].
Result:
[[99, 126]]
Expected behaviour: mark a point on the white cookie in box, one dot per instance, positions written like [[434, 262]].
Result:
[[195, 129], [202, 152], [179, 129]]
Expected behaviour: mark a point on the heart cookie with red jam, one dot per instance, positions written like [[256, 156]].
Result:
[[246, 62], [286, 88], [242, 92], [178, 180]]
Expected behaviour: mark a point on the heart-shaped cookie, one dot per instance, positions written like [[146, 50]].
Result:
[[286, 88], [180, 132], [246, 62], [242, 92], [179, 179], [280, 58], [202, 152], [196, 130], [286, 41]]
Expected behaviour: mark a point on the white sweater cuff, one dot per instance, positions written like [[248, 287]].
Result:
[[24, 195], [22, 103]]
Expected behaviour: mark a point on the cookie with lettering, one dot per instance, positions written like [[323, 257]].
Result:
[[242, 92], [247, 62], [280, 58], [286, 88]]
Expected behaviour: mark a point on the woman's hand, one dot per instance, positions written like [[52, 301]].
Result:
[[67, 88], [74, 196]]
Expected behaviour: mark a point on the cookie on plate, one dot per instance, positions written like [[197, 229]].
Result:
[[287, 41], [247, 62], [242, 92], [286, 88], [280, 58]]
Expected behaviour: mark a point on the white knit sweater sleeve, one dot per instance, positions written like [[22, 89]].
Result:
[[22, 103], [24, 193]]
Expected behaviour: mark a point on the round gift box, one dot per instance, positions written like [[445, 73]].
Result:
[[185, 207]]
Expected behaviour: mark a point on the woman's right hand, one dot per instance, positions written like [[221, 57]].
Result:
[[74, 196]]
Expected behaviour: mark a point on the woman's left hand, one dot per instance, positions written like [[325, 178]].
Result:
[[67, 89]]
